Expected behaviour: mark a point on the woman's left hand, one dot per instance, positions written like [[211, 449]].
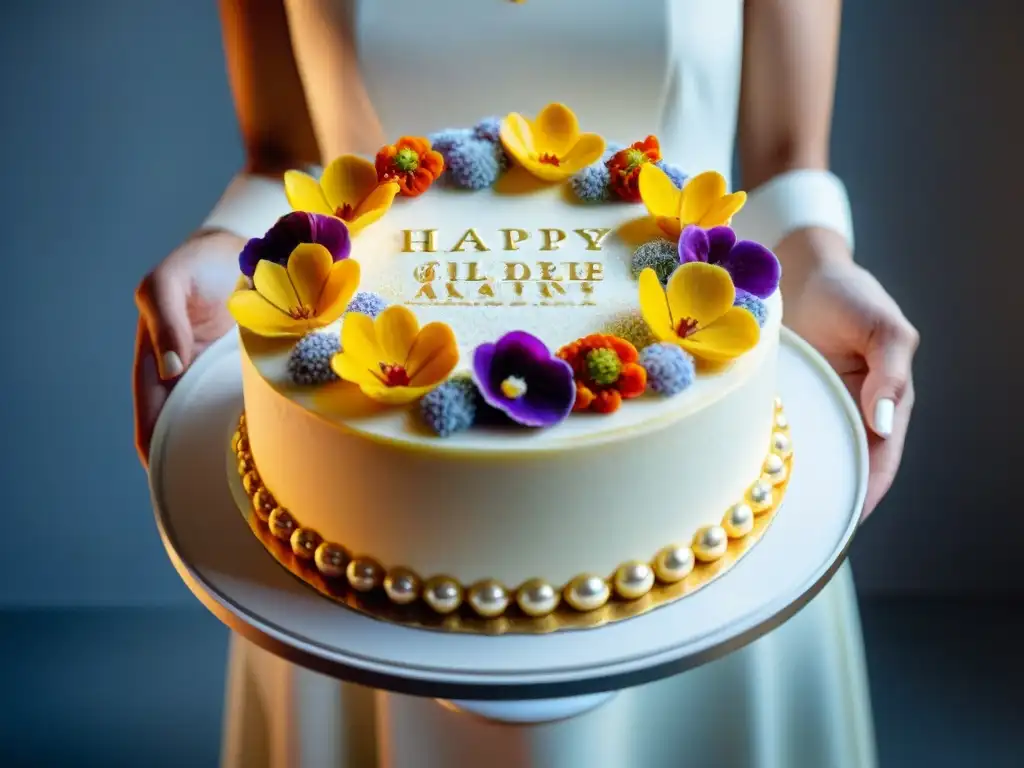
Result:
[[844, 312]]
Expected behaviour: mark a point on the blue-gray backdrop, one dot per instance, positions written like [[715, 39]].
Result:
[[117, 135]]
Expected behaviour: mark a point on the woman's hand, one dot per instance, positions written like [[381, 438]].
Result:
[[845, 313], [182, 310]]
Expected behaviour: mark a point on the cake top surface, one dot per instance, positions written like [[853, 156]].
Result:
[[511, 273]]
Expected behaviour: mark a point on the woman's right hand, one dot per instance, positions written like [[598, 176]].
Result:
[[182, 307]]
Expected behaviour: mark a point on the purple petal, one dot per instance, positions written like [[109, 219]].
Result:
[[251, 255], [290, 230], [754, 268], [483, 362], [721, 241], [693, 245], [332, 234], [550, 394]]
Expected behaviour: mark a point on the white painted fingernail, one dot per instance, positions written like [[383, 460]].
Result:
[[885, 413], [172, 365]]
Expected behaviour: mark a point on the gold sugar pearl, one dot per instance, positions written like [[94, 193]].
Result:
[[760, 497], [402, 586], [263, 504], [673, 564], [488, 598], [738, 521], [587, 593], [775, 469], [251, 482], [710, 543], [781, 444], [281, 523], [443, 594], [537, 598], [245, 464], [364, 574], [330, 560], [304, 543], [633, 580]]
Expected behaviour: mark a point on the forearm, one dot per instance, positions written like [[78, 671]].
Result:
[[789, 68]]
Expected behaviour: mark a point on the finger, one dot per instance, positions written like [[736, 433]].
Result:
[[889, 356], [162, 302], [149, 392], [885, 455]]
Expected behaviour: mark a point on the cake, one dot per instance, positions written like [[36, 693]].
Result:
[[509, 370]]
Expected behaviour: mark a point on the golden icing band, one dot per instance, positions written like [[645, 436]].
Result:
[[396, 593]]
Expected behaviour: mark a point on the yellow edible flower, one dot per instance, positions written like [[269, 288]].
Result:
[[309, 293], [695, 310], [550, 147], [392, 359], [702, 200], [347, 190]]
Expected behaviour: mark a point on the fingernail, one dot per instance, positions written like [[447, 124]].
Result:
[[885, 412], [172, 366]]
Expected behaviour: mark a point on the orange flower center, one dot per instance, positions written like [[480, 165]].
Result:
[[301, 312], [394, 375], [549, 159], [345, 212], [687, 327]]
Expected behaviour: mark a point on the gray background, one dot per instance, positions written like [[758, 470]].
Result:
[[118, 135]]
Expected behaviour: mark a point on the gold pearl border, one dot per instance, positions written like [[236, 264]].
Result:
[[535, 607]]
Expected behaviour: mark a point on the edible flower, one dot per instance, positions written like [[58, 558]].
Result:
[[550, 147], [624, 167], [518, 376], [311, 291], [411, 163], [752, 267], [348, 189], [392, 359], [606, 371], [288, 232], [702, 200], [695, 310]]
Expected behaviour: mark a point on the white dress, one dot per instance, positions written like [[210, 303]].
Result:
[[796, 698]]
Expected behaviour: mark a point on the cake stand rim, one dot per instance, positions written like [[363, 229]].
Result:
[[529, 684]]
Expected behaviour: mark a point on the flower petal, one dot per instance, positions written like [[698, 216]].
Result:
[[517, 136], [386, 395], [632, 380], [694, 245], [332, 233], [308, 267], [433, 356], [359, 340], [659, 194], [699, 292], [753, 268], [304, 193], [699, 194], [354, 369], [341, 285], [728, 337], [724, 209], [556, 129], [347, 180], [254, 312], [586, 151], [720, 243], [373, 206], [654, 306], [396, 329], [273, 283]]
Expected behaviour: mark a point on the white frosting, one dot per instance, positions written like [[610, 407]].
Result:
[[584, 496]]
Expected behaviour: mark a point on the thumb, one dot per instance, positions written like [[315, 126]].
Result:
[[889, 357], [162, 302]]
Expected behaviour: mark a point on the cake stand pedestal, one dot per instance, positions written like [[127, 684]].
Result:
[[312, 684]]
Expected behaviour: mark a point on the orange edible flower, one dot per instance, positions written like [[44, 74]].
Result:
[[606, 372], [410, 163], [624, 167]]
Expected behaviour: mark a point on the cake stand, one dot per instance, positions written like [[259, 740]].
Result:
[[300, 653]]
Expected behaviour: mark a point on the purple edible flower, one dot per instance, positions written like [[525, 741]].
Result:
[[291, 230], [753, 267], [518, 376]]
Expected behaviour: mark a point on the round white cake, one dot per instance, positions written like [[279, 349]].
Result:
[[501, 505]]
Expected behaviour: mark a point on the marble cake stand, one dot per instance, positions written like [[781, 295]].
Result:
[[321, 671]]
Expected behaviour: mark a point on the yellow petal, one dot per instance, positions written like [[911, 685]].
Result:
[[372, 207], [354, 369], [723, 210], [660, 195], [273, 283], [304, 193], [308, 267], [517, 136], [699, 292], [654, 306], [433, 356], [348, 179], [394, 395], [341, 285], [728, 337], [258, 315], [587, 150], [699, 194], [556, 129], [396, 329], [359, 340]]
